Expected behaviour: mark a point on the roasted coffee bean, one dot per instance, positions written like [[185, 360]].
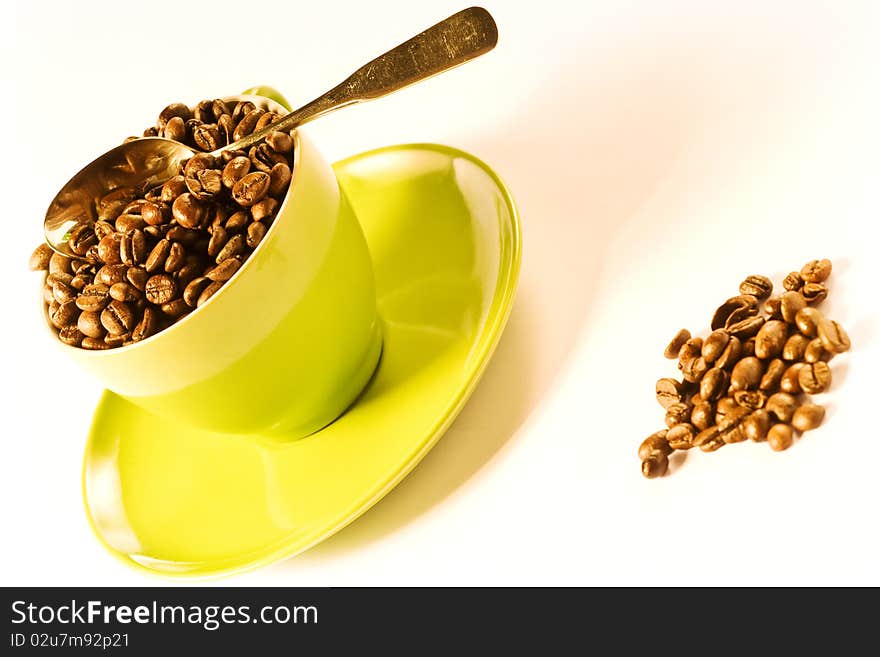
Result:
[[668, 392], [185, 236], [753, 399], [677, 413], [204, 111], [225, 270], [234, 246], [694, 369], [112, 340], [172, 110], [63, 314], [808, 320], [263, 158], [207, 137], [816, 271], [756, 426], [723, 407], [152, 214], [793, 282], [60, 277], [112, 203], [280, 176], [656, 441], [807, 417], [731, 354], [79, 281], [770, 339], [148, 325], [175, 129], [730, 427], [746, 328], [792, 302], [703, 415], [816, 351], [790, 381], [191, 269], [176, 258], [194, 289], [773, 308], [251, 189], [834, 338], [814, 293], [780, 437], [742, 303], [794, 347], [117, 318], [241, 108], [690, 349], [160, 289], [102, 229], [158, 255], [208, 292], [81, 238], [782, 406], [219, 107], [93, 297], [127, 222], [172, 189], [175, 309], [204, 185], [255, 233], [655, 465], [709, 439], [70, 335], [681, 436], [815, 377], [674, 346], [237, 222], [40, 258], [89, 323], [772, 376], [713, 385], [746, 374], [108, 249], [62, 292], [265, 120], [94, 344], [280, 142], [714, 345], [124, 292], [247, 124], [188, 211], [235, 170], [217, 241], [264, 209], [757, 286], [137, 277], [133, 247]]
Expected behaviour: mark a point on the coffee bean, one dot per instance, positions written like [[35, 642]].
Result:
[[93, 297], [235, 170], [117, 318], [108, 249], [153, 214], [79, 281], [191, 269], [146, 326], [756, 425], [124, 292], [772, 376], [703, 415], [265, 120], [677, 413], [112, 340], [816, 351], [655, 465], [279, 179], [127, 222], [656, 441], [174, 109], [770, 339], [814, 293], [790, 381], [137, 277], [782, 406], [731, 354], [194, 289], [668, 392], [234, 246], [690, 349], [808, 320], [70, 335], [204, 185], [714, 345], [714, 384], [833, 337], [255, 234], [753, 399], [158, 255], [815, 377], [225, 270], [773, 308], [694, 369], [207, 137], [59, 264], [94, 344], [217, 241], [792, 302], [793, 282], [748, 347], [730, 427], [681, 436], [208, 292], [172, 189], [263, 158], [241, 108], [747, 327], [723, 407], [89, 323], [780, 437], [133, 247], [237, 222], [176, 258], [794, 347], [742, 304], [746, 374], [709, 439], [160, 289], [219, 107], [112, 203], [175, 308], [757, 286], [280, 142], [185, 236], [807, 417], [816, 271], [40, 258], [264, 209], [251, 189], [63, 314], [247, 124], [62, 292], [175, 129], [81, 238], [187, 211]]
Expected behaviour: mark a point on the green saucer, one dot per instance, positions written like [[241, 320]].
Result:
[[444, 236]]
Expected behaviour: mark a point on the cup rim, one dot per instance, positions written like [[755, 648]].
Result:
[[274, 106]]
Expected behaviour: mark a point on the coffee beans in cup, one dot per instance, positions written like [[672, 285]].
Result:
[[154, 255], [750, 377]]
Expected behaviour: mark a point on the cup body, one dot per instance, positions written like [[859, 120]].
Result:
[[286, 345]]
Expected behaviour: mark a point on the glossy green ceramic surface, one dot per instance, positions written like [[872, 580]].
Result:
[[445, 243]]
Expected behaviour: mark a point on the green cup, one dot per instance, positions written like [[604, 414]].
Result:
[[287, 344]]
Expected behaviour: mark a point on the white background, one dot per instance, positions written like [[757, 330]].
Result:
[[659, 152]]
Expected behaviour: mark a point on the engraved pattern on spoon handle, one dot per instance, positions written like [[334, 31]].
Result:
[[450, 43]]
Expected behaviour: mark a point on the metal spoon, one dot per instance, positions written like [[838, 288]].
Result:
[[150, 161]]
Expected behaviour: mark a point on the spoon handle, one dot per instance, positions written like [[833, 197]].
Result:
[[451, 42]]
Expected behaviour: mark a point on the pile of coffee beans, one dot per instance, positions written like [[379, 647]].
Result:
[[751, 377], [154, 255]]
